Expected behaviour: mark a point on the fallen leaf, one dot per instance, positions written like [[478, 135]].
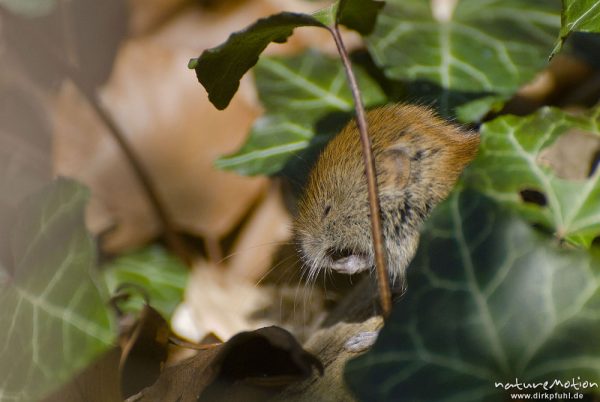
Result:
[[219, 302], [147, 15], [129, 368], [48, 46], [25, 160], [250, 366], [571, 157], [355, 313], [172, 127], [144, 351], [267, 229], [173, 130], [99, 382]]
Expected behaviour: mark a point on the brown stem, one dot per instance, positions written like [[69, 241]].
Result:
[[173, 240], [196, 346], [369, 162]]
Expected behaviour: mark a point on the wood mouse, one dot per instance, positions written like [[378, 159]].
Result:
[[418, 158]]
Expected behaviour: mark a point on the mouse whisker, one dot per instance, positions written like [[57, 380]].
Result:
[[303, 273], [254, 247], [274, 267]]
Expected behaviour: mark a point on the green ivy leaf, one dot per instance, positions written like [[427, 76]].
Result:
[[327, 15], [578, 16], [220, 69], [54, 317], [298, 93], [359, 15], [273, 140], [489, 300], [158, 273], [509, 162], [475, 111], [29, 8], [479, 46], [310, 86]]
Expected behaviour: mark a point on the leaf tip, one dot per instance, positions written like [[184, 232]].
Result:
[[193, 63]]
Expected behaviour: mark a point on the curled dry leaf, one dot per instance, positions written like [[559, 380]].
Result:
[[144, 351], [219, 302], [250, 366]]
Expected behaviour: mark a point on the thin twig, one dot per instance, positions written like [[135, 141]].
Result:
[[195, 346], [173, 240], [369, 162]]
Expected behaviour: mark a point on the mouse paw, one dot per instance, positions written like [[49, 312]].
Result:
[[361, 341]]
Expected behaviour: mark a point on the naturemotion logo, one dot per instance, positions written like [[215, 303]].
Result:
[[572, 384]]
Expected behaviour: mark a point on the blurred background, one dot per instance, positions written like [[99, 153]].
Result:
[[100, 91], [71, 70]]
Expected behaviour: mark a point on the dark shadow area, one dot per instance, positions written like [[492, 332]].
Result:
[[420, 92], [533, 197], [594, 164]]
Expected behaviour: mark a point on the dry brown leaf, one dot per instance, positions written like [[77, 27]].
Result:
[[564, 72], [99, 382], [266, 230], [572, 155], [145, 15], [25, 154], [355, 314], [125, 370], [150, 15], [328, 345], [219, 302], [144, 351], [250, 366], [173, 128], [202, 29], [177, 135]]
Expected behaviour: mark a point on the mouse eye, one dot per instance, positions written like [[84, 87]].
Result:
[[327, 209]]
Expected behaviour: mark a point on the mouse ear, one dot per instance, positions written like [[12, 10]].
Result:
[[394, 170]]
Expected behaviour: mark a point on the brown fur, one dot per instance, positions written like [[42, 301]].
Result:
[[418, 158]]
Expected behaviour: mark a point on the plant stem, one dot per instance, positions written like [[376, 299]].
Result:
[[369, 162], [172, 239]]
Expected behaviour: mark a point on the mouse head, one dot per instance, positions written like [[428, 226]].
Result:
[[333, 226], [418, 158]]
